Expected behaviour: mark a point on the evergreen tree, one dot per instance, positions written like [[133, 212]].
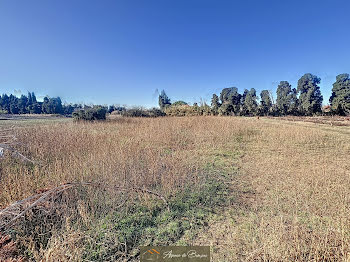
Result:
[[340, 99], [163, 100], [225, 95], [265, 102], [69, 109], [22, 104], [286, 101], [230, 100], [5, 103], [52, 105], [235, 98], [226, 109], [30, 100], [294, 103], [13, 105], [310, 98], [45, 106], [250, 102], [215, 104], [56, 105], [243, 107], [33, 106], [33, 98]]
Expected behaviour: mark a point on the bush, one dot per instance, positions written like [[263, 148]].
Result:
[[135, 112], [116, 109], [155, 112], [140, 112], [187, 110], [90, 114]]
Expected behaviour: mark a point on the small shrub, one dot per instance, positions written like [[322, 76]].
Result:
[[140, 112], [155, 112], [90, 114], [135, 112], [187, 110]]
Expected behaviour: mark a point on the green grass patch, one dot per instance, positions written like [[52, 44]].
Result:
[[123, 231]]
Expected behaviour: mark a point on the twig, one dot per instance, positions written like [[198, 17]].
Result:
[[23, 158], [38, 198], [27, 209], [41, 197], [152, 193]]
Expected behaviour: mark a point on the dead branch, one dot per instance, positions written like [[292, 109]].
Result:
[[18, 209], [23, 158]]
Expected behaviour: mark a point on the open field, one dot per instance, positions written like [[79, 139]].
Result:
[[254, 189], [296, 207], [27, 119], [327, 120]]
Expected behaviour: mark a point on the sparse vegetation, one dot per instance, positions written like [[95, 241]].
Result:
[[161, 155], [251, 188]]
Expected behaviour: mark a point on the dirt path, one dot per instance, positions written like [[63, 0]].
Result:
[[292, 196]]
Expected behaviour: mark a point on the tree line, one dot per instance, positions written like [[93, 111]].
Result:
[[28, 104], [305, 100]]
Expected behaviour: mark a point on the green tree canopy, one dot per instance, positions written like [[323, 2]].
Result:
[[286, 101], [230, 99], [22, 104], [243, 107], [5, 103], [179, 103], [265, 102], [215, 104], [250, 102], [13, 102], [310, 97], [52, 105], [340, 99]]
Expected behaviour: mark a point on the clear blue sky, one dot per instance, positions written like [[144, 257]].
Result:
[[123, 51]]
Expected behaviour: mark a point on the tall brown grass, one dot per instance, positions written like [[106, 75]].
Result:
[[295, 206], [164, 155], [291, 193]]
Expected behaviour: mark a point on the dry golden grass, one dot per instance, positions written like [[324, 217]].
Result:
[[292, 191], [162, 152], [165, 155], [298, 205]]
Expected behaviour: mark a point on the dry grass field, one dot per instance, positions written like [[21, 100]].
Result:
[[298, 204], [254, 189]]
